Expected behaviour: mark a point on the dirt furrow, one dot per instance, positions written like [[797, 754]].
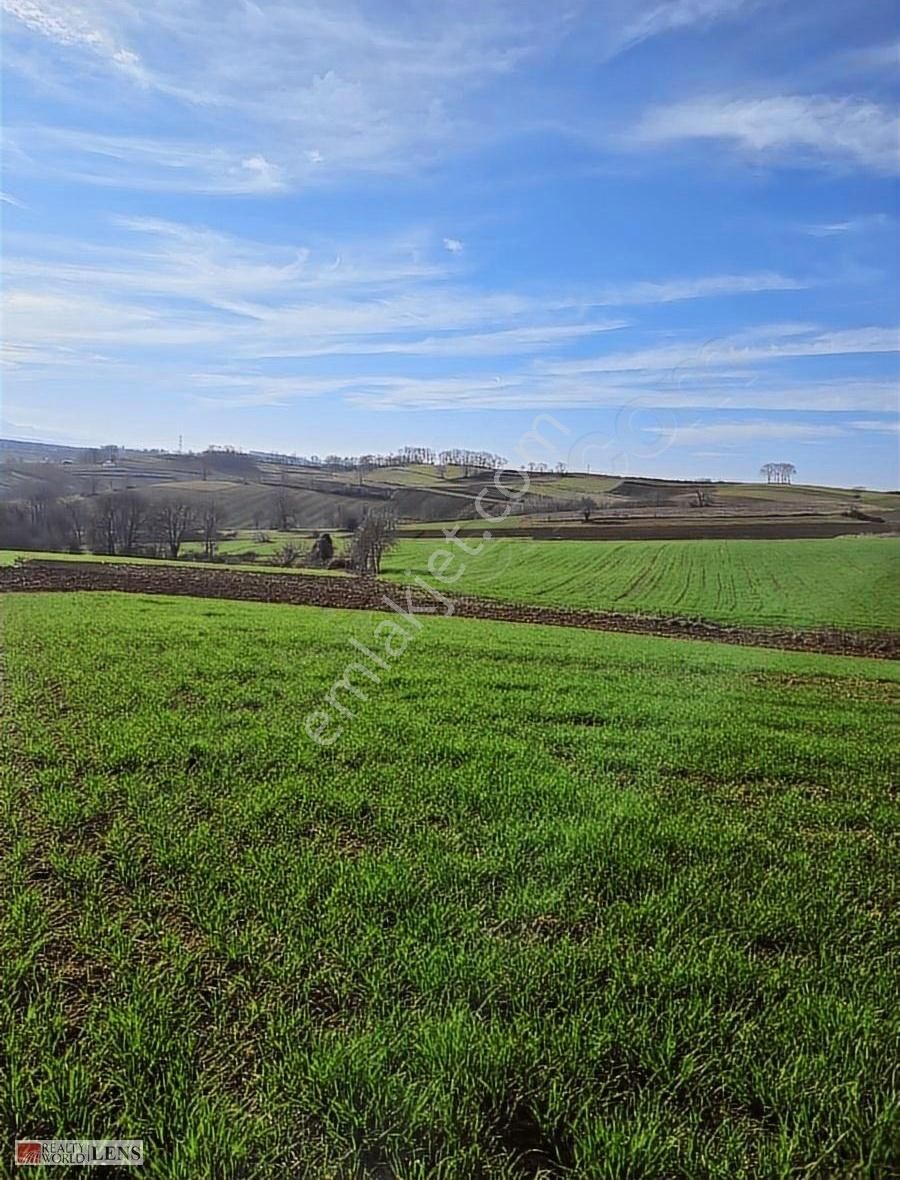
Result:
[[349, 593]]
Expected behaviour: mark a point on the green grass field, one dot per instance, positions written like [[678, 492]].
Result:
[[851, 583], [554, 900], [245, 542], [11, 556], [846, 583]]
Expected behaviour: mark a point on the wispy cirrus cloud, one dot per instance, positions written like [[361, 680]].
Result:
[[291, 95], [790, 129], [71, 27], [739, 433], [160, 295], [881, 426], [529, 390], [654, 20], [394, 296], [700, 287], [152, 165], [851, 225], [301, 93], [761, 346]]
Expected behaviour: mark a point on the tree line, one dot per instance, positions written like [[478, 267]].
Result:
[[130, 524], [469, 460], [113, 523]]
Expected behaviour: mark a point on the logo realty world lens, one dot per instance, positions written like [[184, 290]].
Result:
[[80, 1152]]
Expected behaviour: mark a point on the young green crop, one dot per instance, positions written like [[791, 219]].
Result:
[[849, 583], [554, 900]]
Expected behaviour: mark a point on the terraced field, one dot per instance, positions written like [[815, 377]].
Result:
[[851, 583], [552, 903]]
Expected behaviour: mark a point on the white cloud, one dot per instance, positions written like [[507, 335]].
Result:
[[230, 390], [304, 300], [736, 433], [795, 129], [159, 298], [683, 361], [530, 390], [889, 427], [267, 176], [323, 89], [68, 26], [8, 199], [454, 245], [291, 95], [851, 225], [159, 165], [671, 15], [703, 287]]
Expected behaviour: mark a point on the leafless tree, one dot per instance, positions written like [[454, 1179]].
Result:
[[103, 528], [348, 519], [283, 510], [41, 502], [372, 539], [131, 512], [173, 521], [286, 555], [778, 473], [76, 521], [15, 528], [209, 523]]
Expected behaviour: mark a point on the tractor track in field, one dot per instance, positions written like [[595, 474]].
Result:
[[348, 593]]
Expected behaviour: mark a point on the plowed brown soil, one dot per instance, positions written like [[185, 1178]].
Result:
[[368, 594]]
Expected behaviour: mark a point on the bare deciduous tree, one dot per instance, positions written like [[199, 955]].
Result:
[[779, 473], [286, 555], [209, 523], [373, 538], [283, 510], [103, 529], [40, 503], [76, 520], [130, 511], [348, 519], [173, 520]]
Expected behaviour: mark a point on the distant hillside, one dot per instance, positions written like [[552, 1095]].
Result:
[[256, 490], [29, 451]]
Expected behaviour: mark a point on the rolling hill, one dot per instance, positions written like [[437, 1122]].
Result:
[[246, 489]]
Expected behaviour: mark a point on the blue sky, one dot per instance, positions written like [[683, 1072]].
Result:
[[671, 226]]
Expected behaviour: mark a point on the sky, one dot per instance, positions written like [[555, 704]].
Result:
[[665, 229]]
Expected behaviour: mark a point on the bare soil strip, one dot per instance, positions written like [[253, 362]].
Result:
[[348, 593], [750, 528]]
